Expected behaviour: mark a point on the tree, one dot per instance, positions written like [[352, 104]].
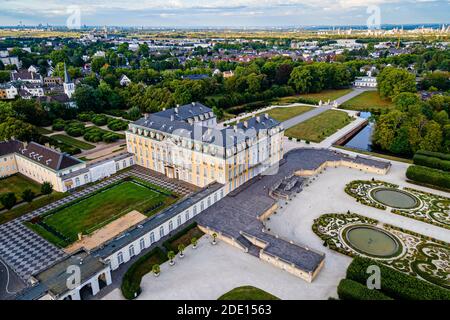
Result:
[[97, 63], [28, 195], [171, 256], [194, 242], [181, 248], [46, 188], [432, 139], [156, 270], [19, 129], [405, 99], [8, 200], [392, 81]]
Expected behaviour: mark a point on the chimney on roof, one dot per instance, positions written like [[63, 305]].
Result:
[[146, 115], [246, 124], [176, 108], [25, 144], [164, 109], [235, 128], [258, 119], [193, 103], [266, 115], [172, 118]]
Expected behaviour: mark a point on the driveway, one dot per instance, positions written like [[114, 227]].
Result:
[[10, 283]]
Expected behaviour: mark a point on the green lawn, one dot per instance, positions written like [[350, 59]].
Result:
[[320, 127], [17, 183], [283, 114], [314, 97], [43, 131], [247, 293], [96, 211], [367, 101], [73, 142]]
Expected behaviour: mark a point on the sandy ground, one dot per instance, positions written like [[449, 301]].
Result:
[[210, 271], [108, 232]]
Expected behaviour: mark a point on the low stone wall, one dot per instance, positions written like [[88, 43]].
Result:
[[223, 237], [342, 163], [268, 212]]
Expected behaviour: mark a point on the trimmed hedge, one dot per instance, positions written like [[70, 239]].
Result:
[[429, 176], [440, 155], [352, 290], [168, 243], [432, 162], [131, 282], [396, 284]]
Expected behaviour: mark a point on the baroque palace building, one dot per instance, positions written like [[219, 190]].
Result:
[[186, 143]]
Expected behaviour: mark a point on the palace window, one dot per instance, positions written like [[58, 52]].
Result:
[[152, 237]]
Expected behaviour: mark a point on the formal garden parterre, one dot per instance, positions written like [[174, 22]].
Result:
[[420, 256], [429, 207]]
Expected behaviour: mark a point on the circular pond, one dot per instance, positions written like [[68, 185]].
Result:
[[395, 198], [372, 241]]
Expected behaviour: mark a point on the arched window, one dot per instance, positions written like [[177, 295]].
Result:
[[152, 237], [120, 258], [131, 250], [142, 244], [170, 225], [179, 220], [161, 231]]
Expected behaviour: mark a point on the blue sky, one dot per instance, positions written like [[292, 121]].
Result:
[[232, 13]]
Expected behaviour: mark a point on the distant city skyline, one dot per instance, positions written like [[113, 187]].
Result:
[[221, 13]]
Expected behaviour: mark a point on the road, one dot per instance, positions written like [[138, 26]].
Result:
[[10, 283], [316, 111]]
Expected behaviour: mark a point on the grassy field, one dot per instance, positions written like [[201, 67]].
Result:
[[367, 101], [247, 293], [43, 131], [319, 127], [103, 207], [282, 114], [17, 183], [73, 142], [314, 97]]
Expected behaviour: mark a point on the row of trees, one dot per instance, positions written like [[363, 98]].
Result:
[[9, 199]]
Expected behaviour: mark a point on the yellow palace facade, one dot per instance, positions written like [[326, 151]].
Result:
[[185, 143]]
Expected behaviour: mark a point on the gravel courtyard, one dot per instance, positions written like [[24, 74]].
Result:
[[210, 271]]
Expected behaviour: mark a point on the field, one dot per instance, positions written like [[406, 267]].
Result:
[[247, 293], [367, 101], [282, 114], [73, 142], [97, 210], [319, 127], [17, 183], [314, 97]]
